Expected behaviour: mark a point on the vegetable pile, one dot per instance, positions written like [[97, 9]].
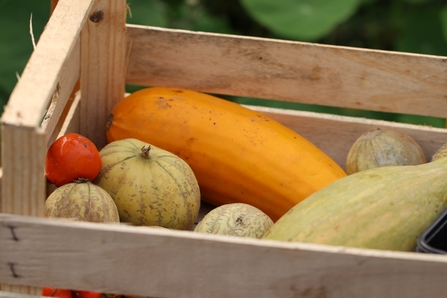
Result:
[[171, 149]]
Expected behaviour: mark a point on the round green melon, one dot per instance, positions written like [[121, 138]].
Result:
[[150, 186], [83, 201], [236, 219]]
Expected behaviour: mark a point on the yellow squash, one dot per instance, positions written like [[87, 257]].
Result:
[[238, 155]]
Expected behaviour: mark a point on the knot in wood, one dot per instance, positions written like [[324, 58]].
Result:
[[97, 16]]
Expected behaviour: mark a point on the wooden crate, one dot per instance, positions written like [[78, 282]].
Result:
[[88, 41]]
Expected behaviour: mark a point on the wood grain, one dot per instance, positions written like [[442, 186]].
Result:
[[166, 263], [23, 181], [5, 294], [290, 71], [61, 97], [103, 57]]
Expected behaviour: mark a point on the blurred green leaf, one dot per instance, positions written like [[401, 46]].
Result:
[[201, 20], [416, 1], [151, 13], [443, 16], [423, 32], [368, 1], [191, 15], [301, 19], [188, 15]]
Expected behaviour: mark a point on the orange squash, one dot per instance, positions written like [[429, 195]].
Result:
[[238, 155]]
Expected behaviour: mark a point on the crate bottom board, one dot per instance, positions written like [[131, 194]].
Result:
[[166, 263]]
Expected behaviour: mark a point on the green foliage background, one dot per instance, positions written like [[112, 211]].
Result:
[[418, 26]]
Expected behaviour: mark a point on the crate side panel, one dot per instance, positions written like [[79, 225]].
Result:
[[290, 71], [8, 294], [166, 263], [33, 92], [23, 180], [103, 51], [335, 135]]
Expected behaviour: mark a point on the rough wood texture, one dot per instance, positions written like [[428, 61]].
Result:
[[103, 57], [148, 262], [291, 71], [23, 181], [5, 294], [69, 75], [23, 177]]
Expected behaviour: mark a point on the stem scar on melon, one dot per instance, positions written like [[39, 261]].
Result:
[[145, 151]]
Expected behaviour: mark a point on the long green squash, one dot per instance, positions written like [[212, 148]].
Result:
[[382, 208]]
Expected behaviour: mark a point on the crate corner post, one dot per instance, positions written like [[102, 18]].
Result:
[[103, 60]]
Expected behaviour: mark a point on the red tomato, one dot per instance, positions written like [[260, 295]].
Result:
[[72, 157], [86, 294], [55, 292]]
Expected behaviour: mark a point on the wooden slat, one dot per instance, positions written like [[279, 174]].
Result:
[[103, 54], [291, 71], [4, 294], [335, 134], [69, 76], [32, 94], [23, 181], [53, 4], [163, 263]]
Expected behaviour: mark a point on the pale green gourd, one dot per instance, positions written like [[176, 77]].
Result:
[[149, 185], [382, 208], [235, 219], [383, 147], [440, 153]]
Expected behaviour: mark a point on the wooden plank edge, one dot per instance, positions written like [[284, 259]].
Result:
[[6, 294], [363, 79], [142, 261], [62, 96], [103, 59]]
